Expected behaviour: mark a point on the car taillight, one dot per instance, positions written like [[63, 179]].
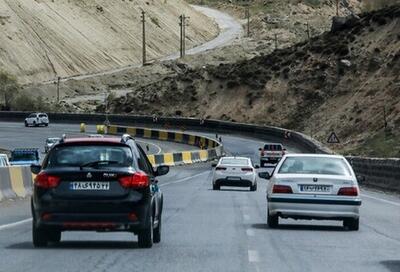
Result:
[[247, 169], [136, 180], [46, 181], [220, 168], [282, 189], [348, 191]]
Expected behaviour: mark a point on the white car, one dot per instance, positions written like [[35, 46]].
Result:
[[4, 160], [313, 186], [49, 143], [37, 119], [235, 171]]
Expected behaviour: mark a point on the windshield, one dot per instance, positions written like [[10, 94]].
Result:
[[52, 140], [273, 147], [235, 161], [86, 155], [314, 165], [24, 157]]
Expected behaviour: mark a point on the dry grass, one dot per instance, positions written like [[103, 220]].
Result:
[[377, 4]]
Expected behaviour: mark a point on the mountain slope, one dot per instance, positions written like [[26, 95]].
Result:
[[42, 39]]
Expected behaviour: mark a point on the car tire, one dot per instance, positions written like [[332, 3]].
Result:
[[145, 236], [39, 236], [26, 124], [272, 220], [253, 188], [157, 231], [46, 125], [261, 164], [54, 236], [216, 187], [34, 124], [352, 223]]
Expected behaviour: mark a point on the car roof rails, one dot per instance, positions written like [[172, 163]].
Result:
[[126, 137]]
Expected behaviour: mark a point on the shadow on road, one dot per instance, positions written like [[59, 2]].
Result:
[[79, 245], [300, 227], [231, 190], [393, 266]]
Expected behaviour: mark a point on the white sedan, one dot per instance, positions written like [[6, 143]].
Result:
[[235, 171], [311, 186]]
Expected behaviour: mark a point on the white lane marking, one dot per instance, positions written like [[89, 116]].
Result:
[[382, 200], [16, 224], [246, 217], [250, 232], [254, 257], [157, 146], [184, 179]]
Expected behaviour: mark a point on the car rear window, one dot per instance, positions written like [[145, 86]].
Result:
[[42, 115], [273, 147], [315, 165], [24, 156], [235, 161], [107, 155]]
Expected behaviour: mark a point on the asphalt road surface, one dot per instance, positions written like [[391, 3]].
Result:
[[15, 135], [205, 230]]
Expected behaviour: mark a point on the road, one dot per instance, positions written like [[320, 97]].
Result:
[[15, 135], [229, 30], [205, 230]]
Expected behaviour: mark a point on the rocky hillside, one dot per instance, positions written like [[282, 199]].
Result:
[[347, 81], [43, 39]]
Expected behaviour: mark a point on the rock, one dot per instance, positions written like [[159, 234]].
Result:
[[341, 23]]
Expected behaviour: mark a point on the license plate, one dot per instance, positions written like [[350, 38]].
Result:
[[233, 178], [315, 188], [89, 186]]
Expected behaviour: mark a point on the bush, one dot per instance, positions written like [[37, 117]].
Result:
[[9, 88]]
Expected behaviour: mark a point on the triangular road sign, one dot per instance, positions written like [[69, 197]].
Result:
[[333, 139]]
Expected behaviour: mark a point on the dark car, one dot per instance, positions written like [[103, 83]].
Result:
[[96, 184]]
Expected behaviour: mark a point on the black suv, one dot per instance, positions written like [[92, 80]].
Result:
[[96, 184]]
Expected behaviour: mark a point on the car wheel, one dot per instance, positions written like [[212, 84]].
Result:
[[272, 220], [253, 188], [34, 124], [261, 164], [39, 236], [216, 187], [46, 125], [54, 236], [157, 232], [145, 236], [26, 124], [352, 223]]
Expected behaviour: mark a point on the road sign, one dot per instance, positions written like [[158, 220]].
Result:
[[333, 139]]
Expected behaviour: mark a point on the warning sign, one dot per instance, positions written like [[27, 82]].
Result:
[[333, 139]]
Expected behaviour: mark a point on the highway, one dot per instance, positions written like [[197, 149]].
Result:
[[205, 230]]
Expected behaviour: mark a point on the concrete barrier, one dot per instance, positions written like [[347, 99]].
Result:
[[15, 181], [210, 149], [379, 173]]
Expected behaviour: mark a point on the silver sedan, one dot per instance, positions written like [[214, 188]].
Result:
[[311, 186]]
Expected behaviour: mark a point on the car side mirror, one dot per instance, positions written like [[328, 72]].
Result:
[[214, 164], [36, 168], [162, 170], [257, 166], [361, 178], [264, 175]]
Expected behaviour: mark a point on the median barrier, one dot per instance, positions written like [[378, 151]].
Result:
[[15, 181], [211, 149]]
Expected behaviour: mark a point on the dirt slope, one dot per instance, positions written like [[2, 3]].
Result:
[[344, 81], [42, 39]]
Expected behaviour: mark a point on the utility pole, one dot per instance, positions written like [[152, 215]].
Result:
[[337, 7], [144, 36], [248, 19], [58, 89], [183, 25]]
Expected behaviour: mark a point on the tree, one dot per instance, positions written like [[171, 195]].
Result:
[[8, 88]]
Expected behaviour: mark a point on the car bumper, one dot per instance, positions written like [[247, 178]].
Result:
[[312, 208], [234, 183]]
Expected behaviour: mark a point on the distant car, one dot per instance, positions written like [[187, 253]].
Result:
[[4, 160], [313, 186], [49, 143], [271, 153], [104, 184], [37, 119], [236, 172], [25, 156]]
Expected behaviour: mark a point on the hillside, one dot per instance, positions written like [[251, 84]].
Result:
[[344, 81], [43, 39]]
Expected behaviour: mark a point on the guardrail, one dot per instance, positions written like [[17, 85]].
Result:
[[210, 149]]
